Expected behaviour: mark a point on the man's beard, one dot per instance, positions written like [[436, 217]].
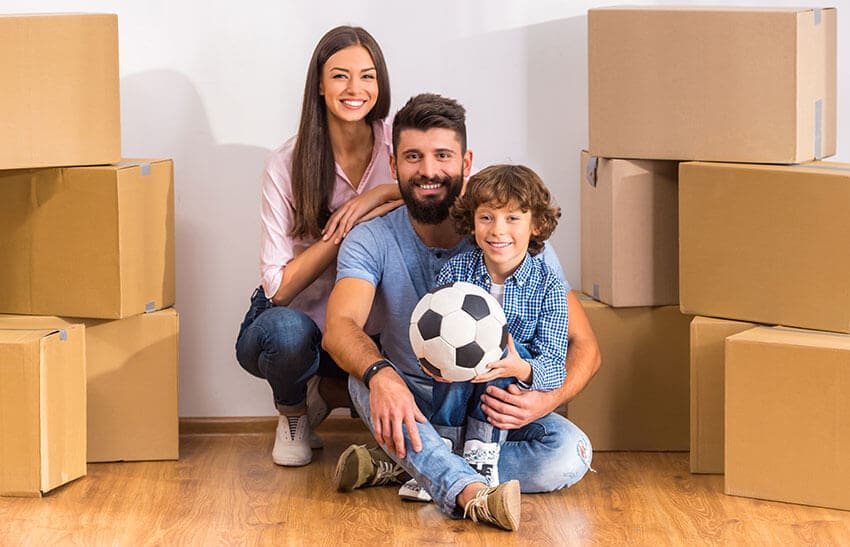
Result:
[[431, 210]]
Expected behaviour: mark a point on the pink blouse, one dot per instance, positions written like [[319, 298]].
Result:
[[278, 248]]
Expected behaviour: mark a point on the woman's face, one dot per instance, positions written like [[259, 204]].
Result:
[[349, 84]]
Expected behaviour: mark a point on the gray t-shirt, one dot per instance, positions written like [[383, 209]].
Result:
[[387, 253]]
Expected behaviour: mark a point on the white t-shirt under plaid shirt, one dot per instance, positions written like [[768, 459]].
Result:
[[535, 307]]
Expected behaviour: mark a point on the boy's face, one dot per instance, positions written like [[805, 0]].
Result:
[[503, 234]]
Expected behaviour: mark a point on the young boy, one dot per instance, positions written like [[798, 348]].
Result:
[[508, 212]]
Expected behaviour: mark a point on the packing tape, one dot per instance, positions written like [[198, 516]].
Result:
[[144, 166], [596, 291], [839, 168], [590, 170], [150, 307], [818, 14], [63, 335], [818, 129]]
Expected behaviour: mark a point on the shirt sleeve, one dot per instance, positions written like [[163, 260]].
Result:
[[550, 257], [277, 247], [361, 255], [549, 344]]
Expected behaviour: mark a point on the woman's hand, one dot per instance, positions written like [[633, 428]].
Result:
[[368, 205], [512, 366]]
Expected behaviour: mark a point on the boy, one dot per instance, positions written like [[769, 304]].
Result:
[[507, 211]]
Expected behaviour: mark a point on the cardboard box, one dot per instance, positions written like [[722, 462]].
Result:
[[766, 244], [42, 408], [788, 416], [629, 231], [715, 84], [708, 342], [59, 102], [132, 383], [87, 241], [639, 398]]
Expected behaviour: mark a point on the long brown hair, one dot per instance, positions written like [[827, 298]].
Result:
[[313, 167]]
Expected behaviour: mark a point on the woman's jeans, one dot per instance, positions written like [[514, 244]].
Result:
[[283, 346]]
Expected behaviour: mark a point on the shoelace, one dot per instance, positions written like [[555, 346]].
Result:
[[386, 473], [293, 425], [477, 507]]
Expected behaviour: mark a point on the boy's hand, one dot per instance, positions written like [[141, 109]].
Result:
[[512, 366]]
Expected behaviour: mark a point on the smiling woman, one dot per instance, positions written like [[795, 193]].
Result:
[[316, 186]]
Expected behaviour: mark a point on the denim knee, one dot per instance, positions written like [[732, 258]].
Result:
[[576, 455]]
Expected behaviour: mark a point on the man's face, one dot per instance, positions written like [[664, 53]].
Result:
[[430, 169]]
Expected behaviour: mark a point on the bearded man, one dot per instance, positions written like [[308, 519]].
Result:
[[384, 267]]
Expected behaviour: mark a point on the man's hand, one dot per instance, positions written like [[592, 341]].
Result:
[[393, 408], [514, 408]]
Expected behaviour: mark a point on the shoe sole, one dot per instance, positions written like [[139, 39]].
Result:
[[289, 462], [345, 473], [511, 503]]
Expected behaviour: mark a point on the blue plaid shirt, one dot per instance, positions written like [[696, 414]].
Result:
[[535, 306]]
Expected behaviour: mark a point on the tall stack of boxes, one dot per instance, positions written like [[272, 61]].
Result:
[[745, 100], [88, 338]]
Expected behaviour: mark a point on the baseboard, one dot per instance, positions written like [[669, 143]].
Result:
[[253, 425]]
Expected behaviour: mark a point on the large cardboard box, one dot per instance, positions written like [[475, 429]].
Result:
[[59, 102], [766, 244], [639, 398], [42, 408], [87, 241], [714, 84], [788, 416], [629, 231], [132, 383], [708, 344]]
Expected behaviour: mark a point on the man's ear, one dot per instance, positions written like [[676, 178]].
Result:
[[393, 167], [467, 163]]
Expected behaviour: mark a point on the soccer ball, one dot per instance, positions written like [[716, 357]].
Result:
[[457, 330]]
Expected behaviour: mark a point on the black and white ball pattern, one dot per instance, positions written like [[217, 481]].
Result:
[[456, 330]]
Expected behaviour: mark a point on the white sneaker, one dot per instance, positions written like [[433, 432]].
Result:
[[484, 458], [411, 491], [317, 410], [291, 441]]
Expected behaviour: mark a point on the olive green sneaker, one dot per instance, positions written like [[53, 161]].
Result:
[[359, 466], [497, 505]]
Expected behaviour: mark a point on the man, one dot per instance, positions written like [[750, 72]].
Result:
[[384, 267]]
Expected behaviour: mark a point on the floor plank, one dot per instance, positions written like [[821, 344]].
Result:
[[225, 490]]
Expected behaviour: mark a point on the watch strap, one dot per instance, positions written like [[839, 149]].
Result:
[[373, 369]]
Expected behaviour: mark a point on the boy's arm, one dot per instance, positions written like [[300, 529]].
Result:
[[516, 408], [551, 339]]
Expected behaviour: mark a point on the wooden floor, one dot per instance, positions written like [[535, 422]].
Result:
[[225, 490]]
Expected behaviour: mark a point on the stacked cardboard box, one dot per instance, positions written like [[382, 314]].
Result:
[[744, 92], [82, 235]]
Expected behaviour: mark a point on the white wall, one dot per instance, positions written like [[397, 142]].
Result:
[[216, 84]]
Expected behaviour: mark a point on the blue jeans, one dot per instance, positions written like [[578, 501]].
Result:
[[546, 455], [457, 413], [284, 347]]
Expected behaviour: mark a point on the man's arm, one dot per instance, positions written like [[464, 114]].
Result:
[[391, 401], [515, 408]]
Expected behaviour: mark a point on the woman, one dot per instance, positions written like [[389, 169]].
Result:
[[316, 186]]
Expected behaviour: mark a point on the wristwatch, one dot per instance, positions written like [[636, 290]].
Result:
[[373, 369]]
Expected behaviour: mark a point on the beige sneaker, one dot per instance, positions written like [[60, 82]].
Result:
[[359, 467], [498, 505], [291, 441]]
